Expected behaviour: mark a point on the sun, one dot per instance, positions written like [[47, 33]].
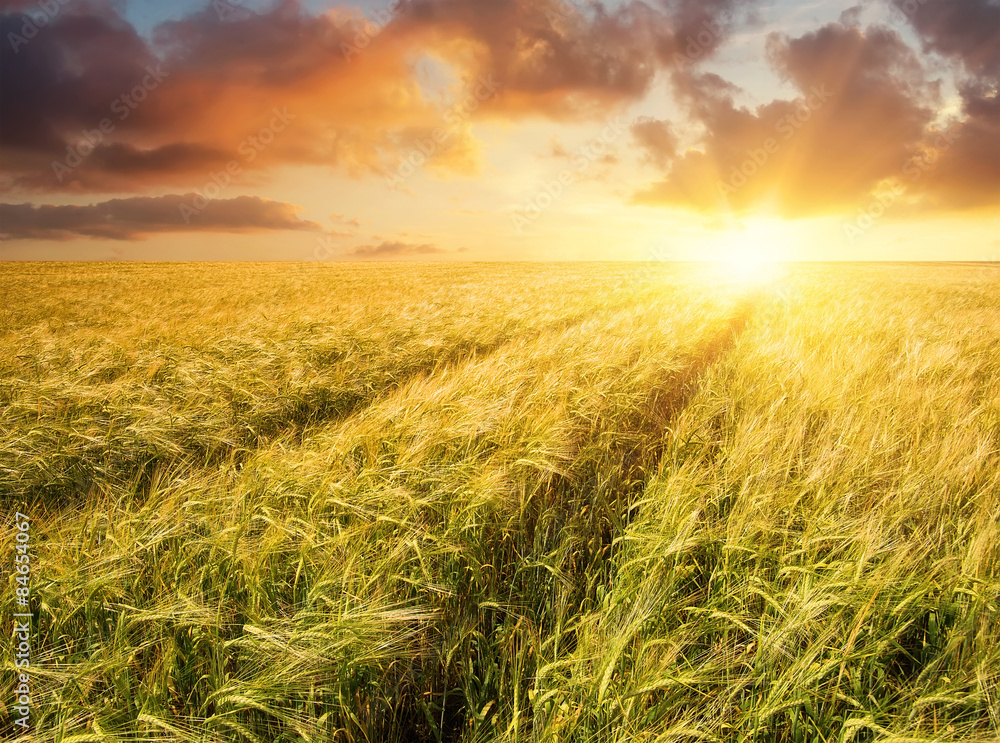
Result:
[[751, 267], [749, 255]]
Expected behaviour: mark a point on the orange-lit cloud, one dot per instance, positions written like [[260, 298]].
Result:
[[862, 113]]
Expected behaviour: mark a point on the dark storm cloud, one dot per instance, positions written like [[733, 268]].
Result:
[[139, 217]]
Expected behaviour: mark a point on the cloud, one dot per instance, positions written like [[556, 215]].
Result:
[[862, 113], [551, 56], [697, 28], [139, 217], [390, 250], [188, 100], [852, 16], [962, 171], [198, 95], [968, 30], [343, 219], [657, 138], [571, 59]]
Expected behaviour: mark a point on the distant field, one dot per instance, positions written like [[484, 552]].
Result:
[[484, 503]]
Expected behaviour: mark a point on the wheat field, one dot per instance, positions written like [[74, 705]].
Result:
[[489, 502]]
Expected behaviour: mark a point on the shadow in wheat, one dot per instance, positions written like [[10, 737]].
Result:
[[126, 440]]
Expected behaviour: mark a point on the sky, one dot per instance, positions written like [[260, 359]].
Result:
[[489, 130]]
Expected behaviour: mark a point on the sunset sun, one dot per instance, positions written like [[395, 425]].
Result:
[[751, 254]]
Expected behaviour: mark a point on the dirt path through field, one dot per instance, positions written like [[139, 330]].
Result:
[[626, 447]]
